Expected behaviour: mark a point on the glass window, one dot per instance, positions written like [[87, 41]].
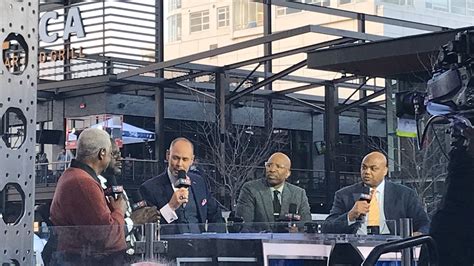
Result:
[[174, 28], [458, 7], [280, 11], [246, 14], [441, 5], [223, 17], [319, 2], [342, 2], [470, 7], [399, 2], [174, 4], [199, 21]]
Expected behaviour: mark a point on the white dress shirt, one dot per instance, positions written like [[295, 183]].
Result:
[[167, 212], [380, 193]]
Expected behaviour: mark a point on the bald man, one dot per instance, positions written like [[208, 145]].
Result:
[[388, 202], [188, 209], [268, 199]]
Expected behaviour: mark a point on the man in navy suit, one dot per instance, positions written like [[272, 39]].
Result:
[[350, 214], [188, 208]]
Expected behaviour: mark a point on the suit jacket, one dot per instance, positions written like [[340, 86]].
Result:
[[158, 191], [399, 202], [255, 203]]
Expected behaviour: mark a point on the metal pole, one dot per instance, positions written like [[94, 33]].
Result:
[[406, 230], [267, 50], [159, 91], [150, 229]]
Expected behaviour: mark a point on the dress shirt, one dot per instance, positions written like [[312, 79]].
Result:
[[380, 192]]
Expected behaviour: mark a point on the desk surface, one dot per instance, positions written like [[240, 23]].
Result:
[[265, 246]]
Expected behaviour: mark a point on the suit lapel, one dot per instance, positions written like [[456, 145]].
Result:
[[388, 199], [165, 190], [198, 198], [286, 199], [359, 189], [266, 199]]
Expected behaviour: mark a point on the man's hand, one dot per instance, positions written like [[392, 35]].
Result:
[[145, 215], [179, 197], [118, 204], [361, 207]]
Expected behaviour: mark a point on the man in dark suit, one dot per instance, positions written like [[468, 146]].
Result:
[[388, 202], [189, 208], [268, 199]]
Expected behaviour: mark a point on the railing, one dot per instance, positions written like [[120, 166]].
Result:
[[398, 245], [136, 171], [133, 171]]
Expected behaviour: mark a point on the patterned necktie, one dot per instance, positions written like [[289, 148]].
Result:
[[374, 210], [276, 202]]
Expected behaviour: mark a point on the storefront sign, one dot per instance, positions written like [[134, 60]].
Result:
[[73, 25]]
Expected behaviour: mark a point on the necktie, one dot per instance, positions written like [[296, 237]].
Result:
[[276, 203], [374, 210]]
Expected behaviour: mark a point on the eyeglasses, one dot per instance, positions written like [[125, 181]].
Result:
[[278, 166]]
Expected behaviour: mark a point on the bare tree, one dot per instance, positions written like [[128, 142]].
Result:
[[423, 168], [247, 146]]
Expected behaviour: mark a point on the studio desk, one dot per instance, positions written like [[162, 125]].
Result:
[[273, 248]]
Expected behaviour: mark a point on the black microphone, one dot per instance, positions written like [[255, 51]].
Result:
[[234, 223], [112, 188], [137, 201], [292, 215], [182, 180], [364, 196]]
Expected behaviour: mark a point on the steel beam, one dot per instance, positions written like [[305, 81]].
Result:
[[347, 33], [304, 49], [354, 15], [159, 90], [217, 51], [186, 77], [317, 84], [18, 97], [74, 82], [264, 82], [360, 101], [267, 65], [363, 117], [223, 118], [317, 108], [184, 87], [331, 137]]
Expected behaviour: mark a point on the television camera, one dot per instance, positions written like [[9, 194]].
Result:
[[449, 93]]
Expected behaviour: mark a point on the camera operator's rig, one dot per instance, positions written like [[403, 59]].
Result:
[[449, 93]]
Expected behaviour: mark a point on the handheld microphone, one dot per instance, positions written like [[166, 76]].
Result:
[[112, 188], [182, 181], [137, 201], [365, 195]]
